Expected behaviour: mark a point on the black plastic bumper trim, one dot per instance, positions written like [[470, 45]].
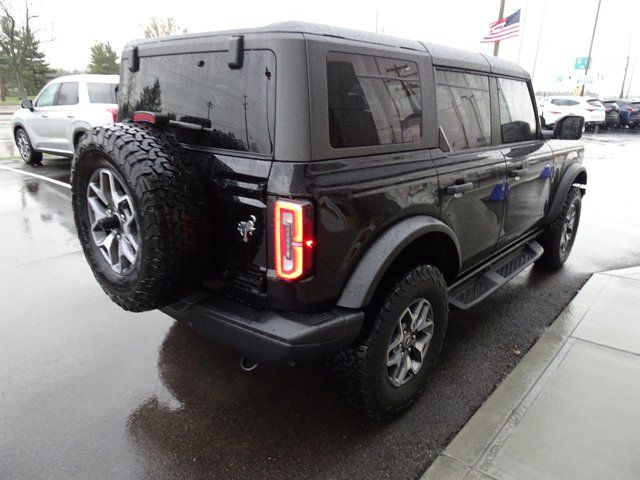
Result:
[[267, 336]]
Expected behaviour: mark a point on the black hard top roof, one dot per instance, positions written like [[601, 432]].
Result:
[[441, 55]]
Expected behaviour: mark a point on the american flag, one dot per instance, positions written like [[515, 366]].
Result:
[[504, 28]]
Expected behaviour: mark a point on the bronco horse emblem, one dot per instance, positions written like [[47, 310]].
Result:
[[247, 228]]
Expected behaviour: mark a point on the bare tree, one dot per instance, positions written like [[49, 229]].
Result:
[[20, 50], [161, 27]]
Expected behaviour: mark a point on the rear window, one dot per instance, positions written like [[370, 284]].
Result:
[[564, 102], [372, 100], [207, 103], [635, 104], [102, 92], [595, 103]]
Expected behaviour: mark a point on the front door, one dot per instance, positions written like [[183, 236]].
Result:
[[471, 172], [529, 159]]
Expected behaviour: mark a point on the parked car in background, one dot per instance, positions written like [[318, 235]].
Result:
[[591, 109], [612, 113], [64, 110], [633, 120], [624, 107]]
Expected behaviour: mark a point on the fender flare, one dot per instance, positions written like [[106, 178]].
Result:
[[566, 182], [367, 275]]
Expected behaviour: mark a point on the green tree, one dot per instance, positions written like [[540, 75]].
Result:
[[104, 59]]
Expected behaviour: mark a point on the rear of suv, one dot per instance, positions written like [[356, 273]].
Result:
[[298, 191]]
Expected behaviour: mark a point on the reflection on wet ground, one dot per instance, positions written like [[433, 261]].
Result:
[[90, 391]]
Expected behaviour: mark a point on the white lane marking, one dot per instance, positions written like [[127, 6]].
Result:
[[41, 177]]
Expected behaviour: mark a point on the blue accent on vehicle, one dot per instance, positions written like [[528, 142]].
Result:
[[547, 172], [499, 192]]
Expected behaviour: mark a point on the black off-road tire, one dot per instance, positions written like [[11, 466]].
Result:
[[172, 216], [32, 157], [551, 240], [359, 374]]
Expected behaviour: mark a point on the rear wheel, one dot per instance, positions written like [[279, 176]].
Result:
[[559, 237], [386, 371], [23, 142]]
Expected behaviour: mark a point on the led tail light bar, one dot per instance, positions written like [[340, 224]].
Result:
[[294, 241]]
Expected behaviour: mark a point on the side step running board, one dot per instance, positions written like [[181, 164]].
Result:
[[478, 287]]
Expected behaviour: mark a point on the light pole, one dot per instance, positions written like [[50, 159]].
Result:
[[593, 35]]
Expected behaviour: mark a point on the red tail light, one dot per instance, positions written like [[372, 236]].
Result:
[[591, 109], [114, 113], [148, 117], [555, 113], [293, 239]]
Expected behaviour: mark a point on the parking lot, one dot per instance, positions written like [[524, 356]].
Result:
[[90, 391]]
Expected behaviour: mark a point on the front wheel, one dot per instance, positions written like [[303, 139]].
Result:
[[386, 371], [28, 154], [559, 237]]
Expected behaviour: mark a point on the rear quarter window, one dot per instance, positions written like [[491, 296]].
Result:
[[372, 100], [207, 103]]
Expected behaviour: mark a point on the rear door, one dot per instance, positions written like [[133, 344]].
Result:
[[470, 170], [529, 159], [63, 115]]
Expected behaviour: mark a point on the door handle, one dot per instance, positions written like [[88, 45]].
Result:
[[458, 188], [70, 116], [518, 172], [45, 116]]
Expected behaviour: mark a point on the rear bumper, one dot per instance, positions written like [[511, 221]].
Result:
[[267, 336]]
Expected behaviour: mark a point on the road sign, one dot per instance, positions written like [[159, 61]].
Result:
[[581, 63]]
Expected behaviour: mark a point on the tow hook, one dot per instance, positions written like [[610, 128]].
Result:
[[247, 364]]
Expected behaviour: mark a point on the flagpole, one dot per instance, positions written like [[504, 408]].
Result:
[[522, 19], [496, 44], [535, 59]]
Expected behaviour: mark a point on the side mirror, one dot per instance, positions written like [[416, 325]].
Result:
[[26, 103], [569, 128]]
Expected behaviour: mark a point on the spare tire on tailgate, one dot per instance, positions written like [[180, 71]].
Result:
[[140, 213]]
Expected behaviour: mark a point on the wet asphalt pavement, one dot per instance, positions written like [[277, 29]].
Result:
[[90, 391]]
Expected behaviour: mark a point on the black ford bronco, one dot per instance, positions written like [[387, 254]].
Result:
[[299, 191]]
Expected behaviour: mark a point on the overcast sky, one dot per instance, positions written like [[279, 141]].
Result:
[[73, 25]]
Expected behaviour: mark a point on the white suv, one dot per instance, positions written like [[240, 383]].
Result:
[[64, 110], [554, 108]]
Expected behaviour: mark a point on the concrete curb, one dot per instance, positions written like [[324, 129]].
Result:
[[469, 454]]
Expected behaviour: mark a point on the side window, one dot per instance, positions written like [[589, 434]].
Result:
[[48, 95], [517, 117], [68, 94], [464, 109], [372, 100]]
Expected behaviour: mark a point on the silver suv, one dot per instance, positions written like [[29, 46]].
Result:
[[64, 110]]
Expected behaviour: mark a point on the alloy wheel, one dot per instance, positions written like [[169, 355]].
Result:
[[409, 342], [568, 228], [114, 226], [23, 145]]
